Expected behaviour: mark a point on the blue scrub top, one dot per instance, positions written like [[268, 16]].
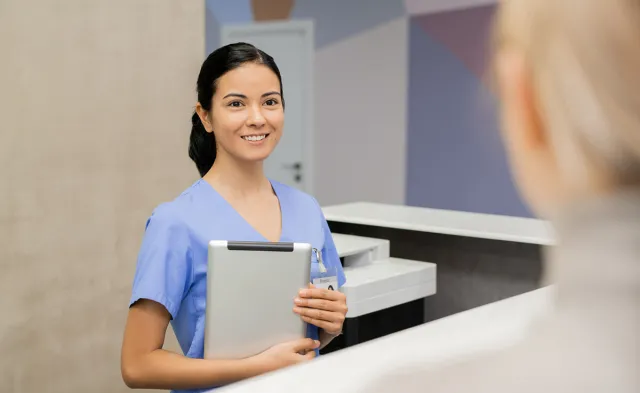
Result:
[[172, 262]]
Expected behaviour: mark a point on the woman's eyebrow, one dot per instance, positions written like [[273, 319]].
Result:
[[270, 93], [235, 95]]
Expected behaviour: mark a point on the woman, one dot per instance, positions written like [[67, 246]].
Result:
[[568, 77], [238, 122]]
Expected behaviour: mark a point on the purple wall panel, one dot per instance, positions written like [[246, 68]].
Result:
[[455, 159]]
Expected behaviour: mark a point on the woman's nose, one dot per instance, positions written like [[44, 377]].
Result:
[[255, 119]]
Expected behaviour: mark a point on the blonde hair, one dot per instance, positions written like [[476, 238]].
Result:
[[584, 62]]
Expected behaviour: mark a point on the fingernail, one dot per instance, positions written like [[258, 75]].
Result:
[[317, 342], [303, 292], [297, 300], [296, 309]]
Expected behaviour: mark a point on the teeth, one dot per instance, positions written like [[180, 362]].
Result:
[[254, 138]]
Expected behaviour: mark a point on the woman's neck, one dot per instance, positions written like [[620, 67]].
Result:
[[597, 246], [237, 178]]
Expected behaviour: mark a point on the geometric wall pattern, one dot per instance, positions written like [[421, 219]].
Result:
[[455, 158], [450, 143], [335, 20], [464, 32]]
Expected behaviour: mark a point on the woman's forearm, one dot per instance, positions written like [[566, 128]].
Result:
[[162, 369]]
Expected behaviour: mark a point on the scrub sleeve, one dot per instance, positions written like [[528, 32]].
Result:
[[165, 265]]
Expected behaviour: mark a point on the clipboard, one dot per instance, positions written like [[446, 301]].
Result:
[[250, 291]]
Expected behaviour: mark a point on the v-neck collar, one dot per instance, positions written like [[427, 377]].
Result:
[[279, 197]]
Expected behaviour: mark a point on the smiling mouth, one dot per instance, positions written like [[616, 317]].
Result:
[[254, 138]]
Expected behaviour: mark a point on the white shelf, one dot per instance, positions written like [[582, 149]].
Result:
[[390, 299], [376, 282], [349, 245], [387, 283], [448, 222]]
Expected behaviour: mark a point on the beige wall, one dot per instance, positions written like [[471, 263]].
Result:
[[95, 105]]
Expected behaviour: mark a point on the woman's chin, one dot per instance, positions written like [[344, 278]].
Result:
[[255, 157]]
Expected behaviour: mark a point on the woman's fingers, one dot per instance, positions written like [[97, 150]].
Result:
[[321, 315], [309, 355], [321, 304], [325, 325], [305, 344], [323, 308], [319, 293]]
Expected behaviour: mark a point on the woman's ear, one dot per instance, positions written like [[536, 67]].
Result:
[[520, 105], [204, 117]]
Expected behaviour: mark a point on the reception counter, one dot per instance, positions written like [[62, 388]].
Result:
[[444, 222], [384, 294], [468, 333], [480, 258]]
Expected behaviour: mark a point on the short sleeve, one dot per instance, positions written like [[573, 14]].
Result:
[[330, 255], [164, 270]]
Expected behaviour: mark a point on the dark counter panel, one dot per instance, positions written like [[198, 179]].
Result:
[[471, 272]]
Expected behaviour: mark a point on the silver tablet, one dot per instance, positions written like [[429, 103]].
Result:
[[250, 291]]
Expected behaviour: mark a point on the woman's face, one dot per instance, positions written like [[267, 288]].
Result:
[[246, 114]]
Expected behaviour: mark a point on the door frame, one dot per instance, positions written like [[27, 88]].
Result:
[[306, 28]]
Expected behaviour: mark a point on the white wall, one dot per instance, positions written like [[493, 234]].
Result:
[[95, 106], [360, 116]]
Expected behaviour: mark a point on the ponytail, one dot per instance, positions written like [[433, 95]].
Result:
[[202, 145]]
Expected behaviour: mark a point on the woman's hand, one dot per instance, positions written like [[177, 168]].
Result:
[[323, 308], [286, 354]]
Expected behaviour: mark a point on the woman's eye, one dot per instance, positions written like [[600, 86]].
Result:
[[271, 102], [235, 104]]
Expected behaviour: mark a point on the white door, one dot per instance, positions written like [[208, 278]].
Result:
[[291, 44]]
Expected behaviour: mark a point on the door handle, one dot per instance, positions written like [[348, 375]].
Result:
[[296, 166]]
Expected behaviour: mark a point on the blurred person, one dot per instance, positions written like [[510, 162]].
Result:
[[567, 73], [238, 122]]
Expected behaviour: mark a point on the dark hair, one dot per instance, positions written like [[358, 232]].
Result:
[[202, 144]]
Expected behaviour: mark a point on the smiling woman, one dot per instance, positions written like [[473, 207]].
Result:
[[237, 124], [246, 94]]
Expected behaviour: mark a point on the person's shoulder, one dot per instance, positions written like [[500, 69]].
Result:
[[294, 195], [176, 211]]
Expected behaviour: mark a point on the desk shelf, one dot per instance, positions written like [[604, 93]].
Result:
[[387, 283], [384, 294]]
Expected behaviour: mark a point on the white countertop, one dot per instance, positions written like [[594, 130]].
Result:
[[348, 245], [448, 222], [471, 332], [387, 283]]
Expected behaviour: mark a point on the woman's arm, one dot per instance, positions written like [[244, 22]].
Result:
[[145, 365]]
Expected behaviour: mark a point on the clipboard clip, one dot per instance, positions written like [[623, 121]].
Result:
[[321, 266]]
